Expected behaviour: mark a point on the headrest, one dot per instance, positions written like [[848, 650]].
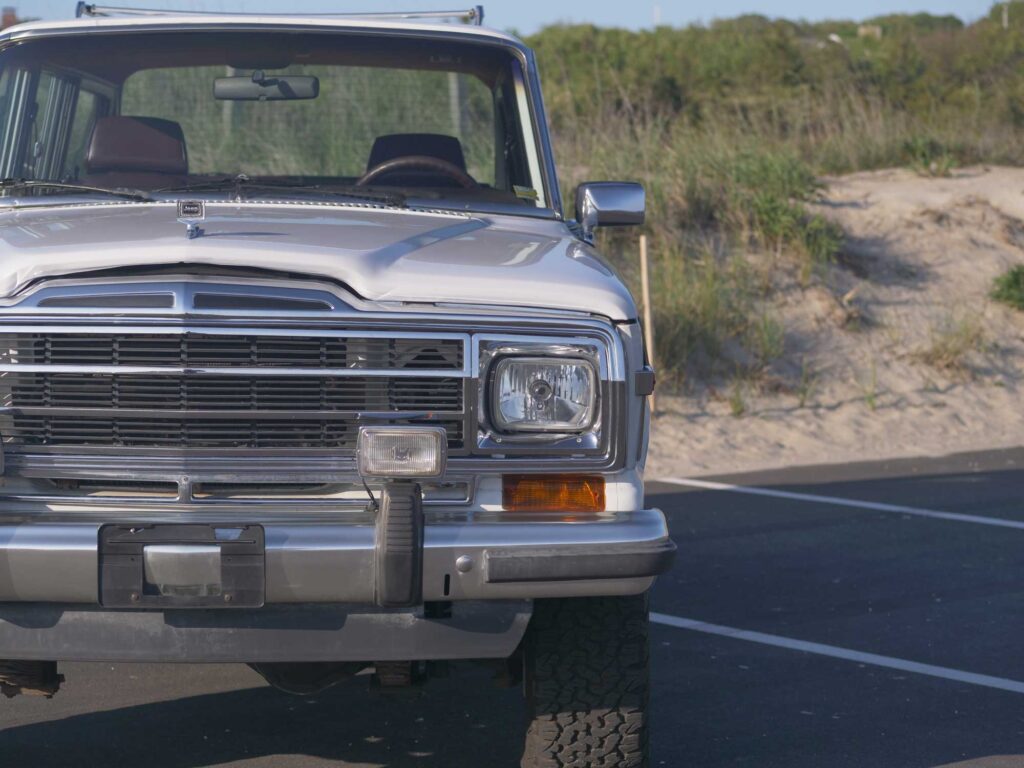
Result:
[[149, 144], [403, 144]]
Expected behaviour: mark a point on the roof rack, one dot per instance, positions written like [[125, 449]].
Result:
[[474, 15]]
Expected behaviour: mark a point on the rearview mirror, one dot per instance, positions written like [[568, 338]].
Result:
[[609, 204], [259, 87]]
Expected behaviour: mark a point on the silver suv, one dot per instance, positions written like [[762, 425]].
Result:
[[304, 366]]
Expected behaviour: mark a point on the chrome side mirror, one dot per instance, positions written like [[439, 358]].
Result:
[[609, 204]]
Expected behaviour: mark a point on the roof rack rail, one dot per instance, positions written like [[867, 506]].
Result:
[[474, 15]]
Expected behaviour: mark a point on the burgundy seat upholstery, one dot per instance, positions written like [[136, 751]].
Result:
[[146, 152]]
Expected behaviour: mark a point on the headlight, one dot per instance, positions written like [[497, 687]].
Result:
[[543, 394]]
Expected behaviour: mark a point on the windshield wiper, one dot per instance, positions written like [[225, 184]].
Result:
[[241, 181], [128, 194]]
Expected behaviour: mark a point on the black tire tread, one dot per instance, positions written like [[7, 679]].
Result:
[[587, 683]]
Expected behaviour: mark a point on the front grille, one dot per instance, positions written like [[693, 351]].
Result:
[[211, 391]]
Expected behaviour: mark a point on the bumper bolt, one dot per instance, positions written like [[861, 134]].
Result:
[[135, 597], [464, 564]]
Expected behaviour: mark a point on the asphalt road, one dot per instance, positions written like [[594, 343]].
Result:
[[907, 586]]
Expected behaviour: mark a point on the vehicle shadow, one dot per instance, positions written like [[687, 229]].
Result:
[[460, 721]]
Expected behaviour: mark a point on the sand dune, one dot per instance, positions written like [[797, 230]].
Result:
[[897, 350]]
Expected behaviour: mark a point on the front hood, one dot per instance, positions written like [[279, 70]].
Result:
[[380, 254]]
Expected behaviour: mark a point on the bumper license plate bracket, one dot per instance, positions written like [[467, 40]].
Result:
[[182, 566]]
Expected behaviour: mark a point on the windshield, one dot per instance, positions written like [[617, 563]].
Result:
[[286, 114]]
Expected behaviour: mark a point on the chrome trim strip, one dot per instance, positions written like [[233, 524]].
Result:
[[84, 504], [441, 318], [155, 370], [268, 465], [218, 330], [144, 507], [235, 414], [264, 465]]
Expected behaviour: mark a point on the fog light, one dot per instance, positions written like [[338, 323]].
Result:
[[552, 493], [402, 451]]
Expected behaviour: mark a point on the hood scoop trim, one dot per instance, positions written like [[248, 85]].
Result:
[[110, 301], [182, 297]]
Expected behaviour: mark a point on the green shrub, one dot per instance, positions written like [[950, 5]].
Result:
[[822, 240], [1009, 287], [928, 156], [701, 300]]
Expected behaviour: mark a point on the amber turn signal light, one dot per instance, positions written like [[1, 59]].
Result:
[[552, 493]]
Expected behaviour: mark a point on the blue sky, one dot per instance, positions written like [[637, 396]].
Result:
[[529, 15]]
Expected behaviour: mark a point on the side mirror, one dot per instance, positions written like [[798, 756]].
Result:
[[609, 204]]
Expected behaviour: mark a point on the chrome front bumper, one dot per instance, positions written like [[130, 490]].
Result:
[[619, 554], [320, 592]]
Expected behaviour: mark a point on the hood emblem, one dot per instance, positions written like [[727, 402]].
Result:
[[190, 213]]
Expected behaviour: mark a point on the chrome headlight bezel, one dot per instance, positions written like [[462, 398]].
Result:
[[587, 352]]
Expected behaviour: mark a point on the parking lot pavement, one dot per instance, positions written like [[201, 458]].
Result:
[[841, 634], [906, 587]]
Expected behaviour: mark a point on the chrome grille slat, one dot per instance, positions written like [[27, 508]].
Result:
[[197, 350], [203, 433], [180, 392], [235, 414], [224, 391]]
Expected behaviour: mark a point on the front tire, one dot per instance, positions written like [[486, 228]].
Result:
[[586, 683]]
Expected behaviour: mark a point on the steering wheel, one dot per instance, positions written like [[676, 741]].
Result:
[[425, 162]]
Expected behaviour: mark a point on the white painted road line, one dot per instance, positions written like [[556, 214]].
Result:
[[837, 501], [986, 681]]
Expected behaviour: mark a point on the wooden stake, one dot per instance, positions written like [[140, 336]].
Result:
[[645, 288]]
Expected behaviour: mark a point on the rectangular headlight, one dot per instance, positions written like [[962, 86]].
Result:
[[402, 451], [543, 394]]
